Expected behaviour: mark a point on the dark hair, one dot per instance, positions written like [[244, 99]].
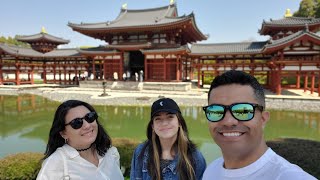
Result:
[[241, 78], [184, 171], [102, 142]]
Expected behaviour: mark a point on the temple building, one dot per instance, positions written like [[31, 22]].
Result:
[[162, 46]]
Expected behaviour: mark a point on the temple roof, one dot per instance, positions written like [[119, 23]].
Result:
[[166, 50], [42, 37], [133, 20], [281, 43], [227, 48], [296, 22], [100, 50], [28, 52]]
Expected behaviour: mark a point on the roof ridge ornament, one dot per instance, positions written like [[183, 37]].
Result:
[[172, 2], [124, 6], [43, 30], [288, 13], [306, 29]]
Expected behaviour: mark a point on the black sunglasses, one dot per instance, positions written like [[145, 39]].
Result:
[[240, 111], [78, 122]]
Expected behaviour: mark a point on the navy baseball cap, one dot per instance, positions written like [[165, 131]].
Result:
[[164, 105]]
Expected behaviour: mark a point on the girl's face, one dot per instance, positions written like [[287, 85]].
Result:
[[86, 134], [166, 125]]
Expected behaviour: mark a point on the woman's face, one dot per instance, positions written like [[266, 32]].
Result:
[[166, 125], [85, 135]]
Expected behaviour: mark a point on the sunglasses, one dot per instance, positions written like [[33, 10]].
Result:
[[78, 122], [240, 111]]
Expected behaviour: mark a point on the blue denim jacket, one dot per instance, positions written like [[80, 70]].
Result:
[[139, 169]]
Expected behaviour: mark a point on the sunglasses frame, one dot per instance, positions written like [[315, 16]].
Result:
[[229, 107], [86, 117]]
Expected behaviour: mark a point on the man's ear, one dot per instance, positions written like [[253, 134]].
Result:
[[265, 116]]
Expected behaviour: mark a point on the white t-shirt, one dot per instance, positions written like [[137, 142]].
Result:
[[269, 166], [79, 168]]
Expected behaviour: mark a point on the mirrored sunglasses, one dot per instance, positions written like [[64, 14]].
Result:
[[240, 111], [78, 122]]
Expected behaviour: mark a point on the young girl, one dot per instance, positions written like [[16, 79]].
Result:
[[168, 153]]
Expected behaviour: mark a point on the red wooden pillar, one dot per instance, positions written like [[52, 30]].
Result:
[[93, 69], [44, 74], [105, 69], [32, 74], [54, 73], [65, 74], [319, 84], [178, 69], [164, 68], [305, 83], [278, 85], [312, 82], [145, 68], [1, 73], [17, 74], [298, 80], [198, 68], [121, 66]]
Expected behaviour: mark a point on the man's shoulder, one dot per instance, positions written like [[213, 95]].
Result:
[[213, 168]]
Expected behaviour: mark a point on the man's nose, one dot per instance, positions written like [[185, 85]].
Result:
[[229, 120]]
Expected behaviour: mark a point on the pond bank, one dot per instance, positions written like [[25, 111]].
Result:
[[295, 100]]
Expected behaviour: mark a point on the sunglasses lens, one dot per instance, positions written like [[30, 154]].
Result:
[[214, 113], [242, 112], [76, 123], [91, 116]]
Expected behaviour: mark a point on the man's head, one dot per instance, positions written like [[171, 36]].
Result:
[[236, 116]]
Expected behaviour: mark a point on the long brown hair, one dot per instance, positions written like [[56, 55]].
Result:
[[183, 145]]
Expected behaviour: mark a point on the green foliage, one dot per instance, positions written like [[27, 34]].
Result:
[[304, 153], [125, 148], [20, 166], [13, 41], [308, 8], [27, 165]]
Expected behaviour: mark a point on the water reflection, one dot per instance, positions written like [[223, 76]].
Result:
[[26, 119]]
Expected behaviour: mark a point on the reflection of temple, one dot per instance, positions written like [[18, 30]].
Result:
[[155, 42], [25, 104]]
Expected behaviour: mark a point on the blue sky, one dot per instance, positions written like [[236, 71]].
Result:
[[223, 20]]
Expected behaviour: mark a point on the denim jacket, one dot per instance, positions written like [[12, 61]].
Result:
[[139, 169]]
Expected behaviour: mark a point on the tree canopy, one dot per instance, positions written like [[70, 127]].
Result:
[[13, 41], [308, 8]]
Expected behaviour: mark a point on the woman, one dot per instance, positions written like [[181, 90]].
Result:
[[78, 146], [168, 153]]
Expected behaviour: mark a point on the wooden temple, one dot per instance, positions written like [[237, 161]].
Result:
[[163, 46]]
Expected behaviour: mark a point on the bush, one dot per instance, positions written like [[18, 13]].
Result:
[[20, 166], [125, 148], [304, 153], [26, 166]]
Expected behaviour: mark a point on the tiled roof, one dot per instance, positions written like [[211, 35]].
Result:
[[28, 52], [166, 50], [292, 21], [292, 37], [19, 51], [97, 50], [42, 36], [136, 18], [227, 48]]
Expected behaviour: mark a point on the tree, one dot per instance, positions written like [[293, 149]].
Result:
[[307, 8]]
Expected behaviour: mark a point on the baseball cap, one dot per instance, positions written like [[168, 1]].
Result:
[[164, 105]]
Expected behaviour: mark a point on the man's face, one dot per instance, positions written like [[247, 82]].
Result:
[[237, 138]]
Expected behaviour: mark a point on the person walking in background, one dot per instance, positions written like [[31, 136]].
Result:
[[168, 153], [78, 146], [237, 118]]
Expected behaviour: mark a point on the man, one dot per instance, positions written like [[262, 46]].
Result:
[[237, 118]]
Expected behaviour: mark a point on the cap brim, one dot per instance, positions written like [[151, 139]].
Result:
[[165, 110]]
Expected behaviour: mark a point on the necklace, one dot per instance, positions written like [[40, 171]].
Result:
[[84, 148]]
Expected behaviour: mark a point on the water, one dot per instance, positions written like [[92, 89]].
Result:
[[26, 120]]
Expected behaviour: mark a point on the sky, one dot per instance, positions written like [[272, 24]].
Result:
[[223, 20]]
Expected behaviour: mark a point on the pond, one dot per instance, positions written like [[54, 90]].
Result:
[[26, 120]]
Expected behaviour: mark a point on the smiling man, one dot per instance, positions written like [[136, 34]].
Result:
[[237, 117]]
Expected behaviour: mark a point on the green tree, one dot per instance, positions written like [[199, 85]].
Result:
[[306, 9]]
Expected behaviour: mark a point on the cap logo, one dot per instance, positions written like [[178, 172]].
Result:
[[161, 103]]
